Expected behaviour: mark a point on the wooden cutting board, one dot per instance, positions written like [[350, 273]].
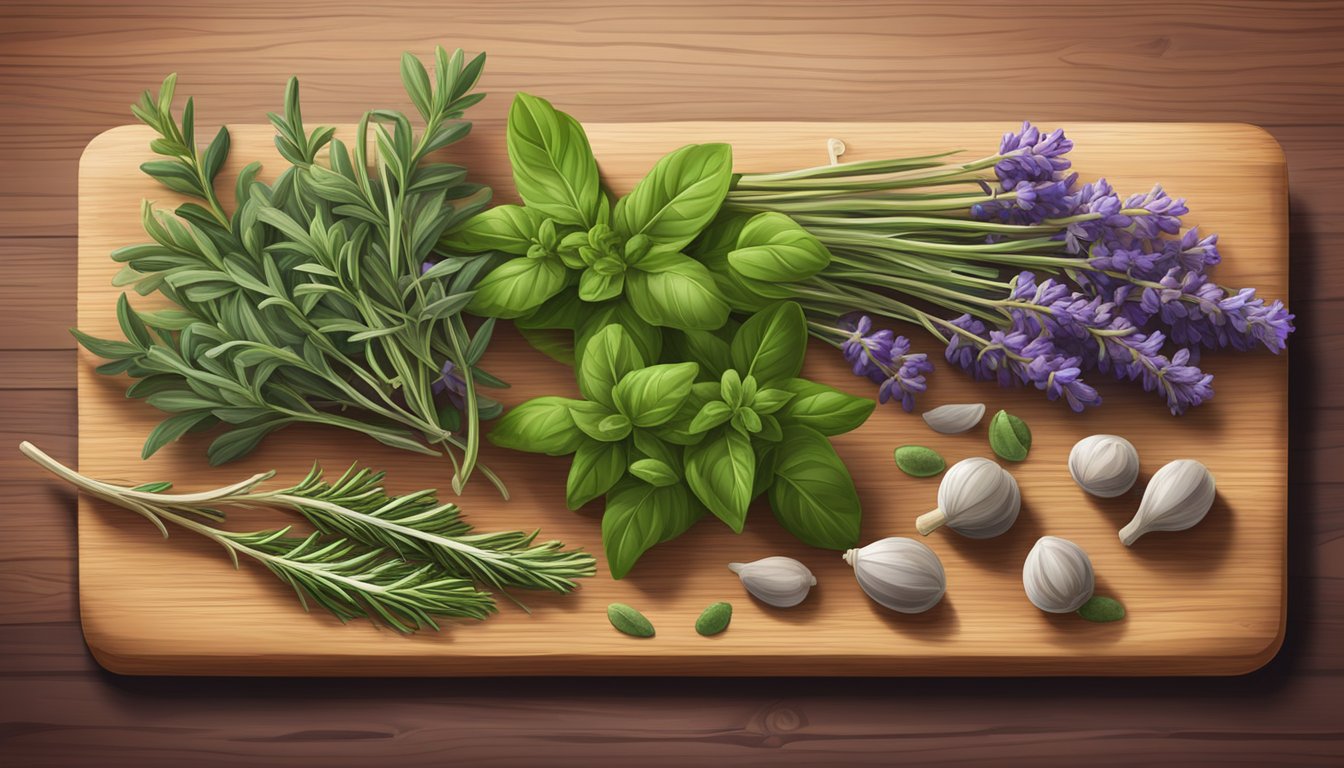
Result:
[[1207, 601]]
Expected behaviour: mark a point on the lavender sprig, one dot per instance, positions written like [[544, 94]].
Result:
[[1124, 288]]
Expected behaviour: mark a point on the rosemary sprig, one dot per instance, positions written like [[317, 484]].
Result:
[[309, 302], [418, 527], [403, 560]]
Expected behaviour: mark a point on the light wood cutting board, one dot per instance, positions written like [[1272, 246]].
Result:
[[1207, 601]]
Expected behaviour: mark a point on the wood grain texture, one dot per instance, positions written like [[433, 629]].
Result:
[[68, 70], [1210, 601]]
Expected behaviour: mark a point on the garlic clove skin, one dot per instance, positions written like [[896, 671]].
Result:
[[977, 498], [1178, 496], [899, 573], [779, 581], [1104, 465], [954, 418], [1057, 575]]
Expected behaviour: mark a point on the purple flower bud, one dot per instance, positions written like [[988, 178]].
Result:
[[1030, 156], [884, 358]]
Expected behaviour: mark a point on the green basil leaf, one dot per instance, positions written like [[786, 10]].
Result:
[[606, 359], [595, 469], [702, 347], [638, 516], [746, 421], [677, 430], [647, 339], [827, 410], [679, 196], [506, 228], [742, 294], [730, 387], [647, 445], [770, 429], [553, 167], [681, 296], [651, 396], [601, 424], [541, 425], [517, 287], [711, 416], [770, 400], [813, 495], [773, 248], [721, 472], [654, 472], [595, 286], [771, 344]]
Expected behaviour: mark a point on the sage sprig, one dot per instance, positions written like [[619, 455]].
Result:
[[403, 560], [307, 302]]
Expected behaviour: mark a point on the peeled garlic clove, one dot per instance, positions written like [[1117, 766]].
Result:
[[1177, 497], [898, 573], [1104, 465], [977, 498], [779, 581], [1058, 575], [954, 419]]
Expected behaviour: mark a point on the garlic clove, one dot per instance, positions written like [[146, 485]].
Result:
[[1104, 465], [1178, 496], [977, 498], [1057, 575], [779, 581], [954, 418], [899, 573]]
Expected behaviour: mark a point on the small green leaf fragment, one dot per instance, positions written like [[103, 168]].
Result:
[[1009, 436], [1102, 609], [629, 621], [714, 619], [918, 461]]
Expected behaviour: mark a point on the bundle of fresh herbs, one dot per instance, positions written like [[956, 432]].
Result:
[[311, 301], [579, 263], [1026, 277], [402, 560], [667, 442]]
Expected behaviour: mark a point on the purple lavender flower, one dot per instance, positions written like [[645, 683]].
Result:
[[1032, 202], [1013, 358], [885, 359], [1164, 212], [1191, 252], [1031, 156], [863, 349], [1098, 198], [1201, 312], [1138, 357]]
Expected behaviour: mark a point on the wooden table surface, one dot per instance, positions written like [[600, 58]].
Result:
[[69, 68]]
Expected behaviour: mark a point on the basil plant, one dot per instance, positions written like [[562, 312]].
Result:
[[666, 443], [574, 260]]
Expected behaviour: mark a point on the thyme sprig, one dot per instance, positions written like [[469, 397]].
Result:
[[309, 302], [403, 560]]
